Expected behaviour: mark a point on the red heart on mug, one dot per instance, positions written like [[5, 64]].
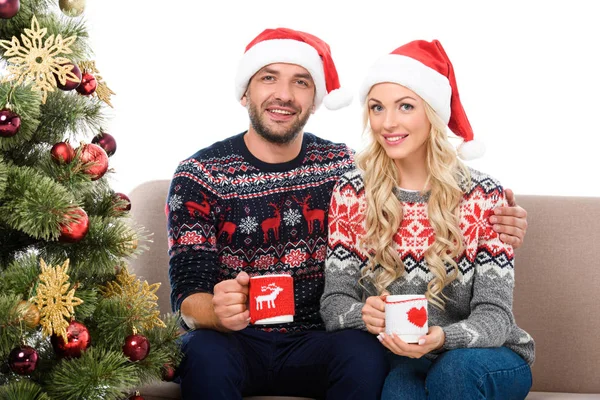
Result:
[[417, 316]]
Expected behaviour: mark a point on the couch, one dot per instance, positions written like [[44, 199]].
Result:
[[556, 300]]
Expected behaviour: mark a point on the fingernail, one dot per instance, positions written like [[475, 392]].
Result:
[[421, 341], [379, 338], [382, 335], [493, 220]]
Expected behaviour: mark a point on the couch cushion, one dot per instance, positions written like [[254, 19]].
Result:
[[557, 291]]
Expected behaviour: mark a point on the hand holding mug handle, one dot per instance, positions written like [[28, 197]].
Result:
[[230, 302], [373, 313]]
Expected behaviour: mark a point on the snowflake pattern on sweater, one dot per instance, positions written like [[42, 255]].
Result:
[[479, 306], [229, 212]]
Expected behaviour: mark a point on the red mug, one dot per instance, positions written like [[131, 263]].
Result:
[[271, 299]]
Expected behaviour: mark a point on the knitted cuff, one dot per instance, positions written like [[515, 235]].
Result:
[[456, 337], [353, 318]]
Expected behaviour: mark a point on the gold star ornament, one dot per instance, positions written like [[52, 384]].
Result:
[[140, 295], [37, 60], [54, 299]]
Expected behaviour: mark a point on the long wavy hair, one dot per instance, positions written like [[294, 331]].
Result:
[[447, 177]]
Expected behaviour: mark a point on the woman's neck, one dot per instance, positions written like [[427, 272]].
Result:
[[413, 174]]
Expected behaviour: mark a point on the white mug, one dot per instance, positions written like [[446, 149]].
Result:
[[406, 316]]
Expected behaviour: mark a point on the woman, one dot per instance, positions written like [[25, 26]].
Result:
[[413, 219]]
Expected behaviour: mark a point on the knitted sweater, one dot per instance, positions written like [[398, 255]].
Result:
[[230, 212], [478, 310]]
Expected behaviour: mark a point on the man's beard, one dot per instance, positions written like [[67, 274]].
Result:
[[269, 135]]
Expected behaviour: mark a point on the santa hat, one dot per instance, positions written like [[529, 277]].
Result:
[[284, 45], [424, 68]]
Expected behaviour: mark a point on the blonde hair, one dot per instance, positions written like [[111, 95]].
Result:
[[383, 214]]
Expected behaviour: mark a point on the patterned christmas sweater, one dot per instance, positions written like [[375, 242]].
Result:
[[230, 212], [479, 302]]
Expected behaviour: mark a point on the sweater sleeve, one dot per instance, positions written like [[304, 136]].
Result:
[[191, 211], [491, 318], [341, 303]]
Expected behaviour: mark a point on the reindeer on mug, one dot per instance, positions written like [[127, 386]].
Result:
[[269, 298], [311, 216]]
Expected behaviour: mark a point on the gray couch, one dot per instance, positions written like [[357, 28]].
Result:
[[557, 296]]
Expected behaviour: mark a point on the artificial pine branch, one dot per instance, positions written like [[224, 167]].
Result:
[[35, 204], [22, 390], [10, 329], [69, 115], [26, 103], [97, 374]]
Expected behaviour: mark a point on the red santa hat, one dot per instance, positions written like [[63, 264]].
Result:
[[424, 68], [284, 45]]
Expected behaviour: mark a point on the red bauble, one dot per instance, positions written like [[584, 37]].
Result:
[[136, 347], [74, 231], [10, 122], [121, 196], [78, 339], [69, 84], [168, 372], [96, 154], [23, 360], [62, 153], [136, 396], [107, 142], [88, 84], [9, 8]]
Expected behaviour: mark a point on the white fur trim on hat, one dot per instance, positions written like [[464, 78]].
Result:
[[429, 84], [338, 98], [471, 150], [287, 51]]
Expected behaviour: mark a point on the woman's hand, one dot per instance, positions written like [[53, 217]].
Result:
[[434, 340], [373, 314]]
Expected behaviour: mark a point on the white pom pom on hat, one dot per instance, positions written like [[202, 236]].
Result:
[[283, 45], [424, 68]]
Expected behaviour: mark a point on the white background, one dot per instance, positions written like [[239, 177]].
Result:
[[528, 75]]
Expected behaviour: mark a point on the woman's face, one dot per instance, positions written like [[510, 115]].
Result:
[[398, 121]]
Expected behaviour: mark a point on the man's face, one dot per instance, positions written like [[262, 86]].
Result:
[[280, 98]]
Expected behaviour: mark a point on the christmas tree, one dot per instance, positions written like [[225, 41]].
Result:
[[74, 322]]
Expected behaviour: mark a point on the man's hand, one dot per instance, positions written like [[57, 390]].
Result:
[[510, 222], [230, 302], [434, 340], [373, 314]]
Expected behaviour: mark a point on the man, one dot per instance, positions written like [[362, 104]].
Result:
[[256, 203]]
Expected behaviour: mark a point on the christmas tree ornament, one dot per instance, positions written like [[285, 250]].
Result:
[[76, 229], [123, 197], [39, 59], [9, 8], [103, 92], [69, 84], [72, 8], [94, 154], [10, 122], [88, 84], [62, 153], [78, 340], [28, 313], [136, 347], [23, 360], [54, 299], [136, 396], [107, 142], [168, 372], [139, 294]]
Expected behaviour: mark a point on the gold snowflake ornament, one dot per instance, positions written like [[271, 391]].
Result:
[[140, 295], [39, 61], [54, 299], [103, 92]]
